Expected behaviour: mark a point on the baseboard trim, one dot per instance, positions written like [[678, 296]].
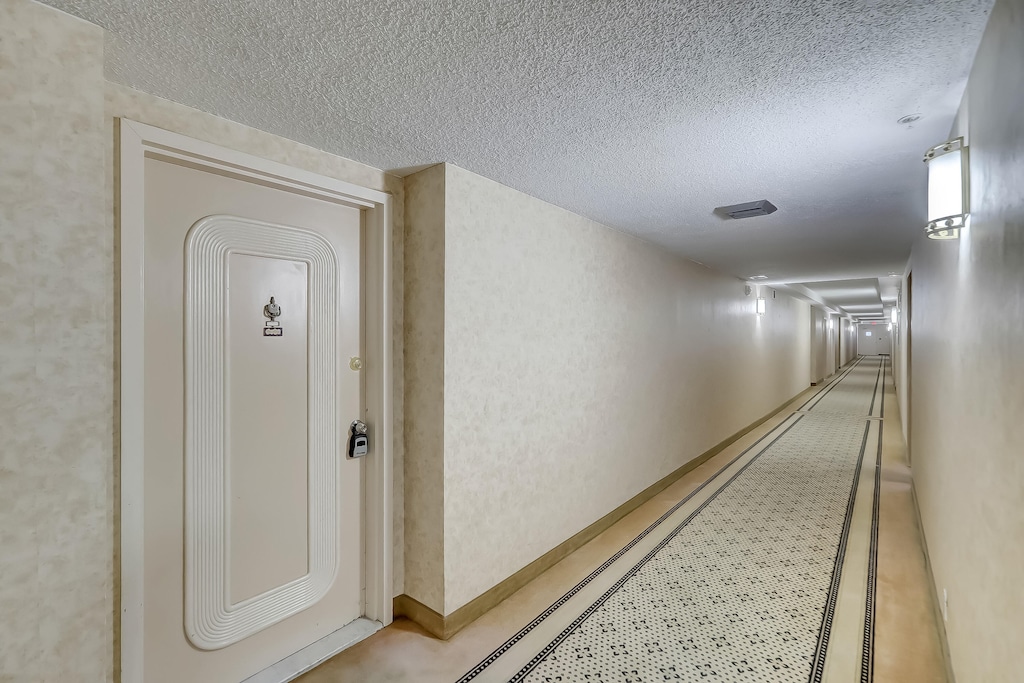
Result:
[[936, 604], [414, 610], [445, 626]]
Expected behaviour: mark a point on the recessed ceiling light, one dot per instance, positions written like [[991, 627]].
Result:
[[909, 118]]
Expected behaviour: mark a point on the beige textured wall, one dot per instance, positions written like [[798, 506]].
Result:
[[58, 466], [968, 375], [581, 365], [424, 385], [56, 377]]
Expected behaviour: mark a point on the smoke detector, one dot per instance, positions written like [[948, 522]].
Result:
[[762, 207]]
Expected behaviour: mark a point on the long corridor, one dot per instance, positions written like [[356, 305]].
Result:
[[765, 569]]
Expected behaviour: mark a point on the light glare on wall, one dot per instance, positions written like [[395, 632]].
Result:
[[761, 305], [948, 190], [895, 316]]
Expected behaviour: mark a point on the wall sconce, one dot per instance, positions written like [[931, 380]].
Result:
[[948, 190], [895, 317], [761, 303]]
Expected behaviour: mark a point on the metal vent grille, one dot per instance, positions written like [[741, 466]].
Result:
[[762, 207]]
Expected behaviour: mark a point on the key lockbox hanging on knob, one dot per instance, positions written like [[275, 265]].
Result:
[[358, 440]]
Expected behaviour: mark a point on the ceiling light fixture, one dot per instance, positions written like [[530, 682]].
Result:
[[758, 277], [761, 305], [948, 190]]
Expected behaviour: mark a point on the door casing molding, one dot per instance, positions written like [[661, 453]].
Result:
[[137, 141]]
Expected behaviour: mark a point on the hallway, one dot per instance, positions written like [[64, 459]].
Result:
[[473, 341], [791, 556]]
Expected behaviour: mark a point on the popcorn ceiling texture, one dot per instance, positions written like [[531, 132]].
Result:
[[643, 116]]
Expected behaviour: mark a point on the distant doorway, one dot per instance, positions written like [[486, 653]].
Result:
[[837, 337], [873, 340]]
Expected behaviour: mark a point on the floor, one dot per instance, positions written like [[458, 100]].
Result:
[[681, 552]]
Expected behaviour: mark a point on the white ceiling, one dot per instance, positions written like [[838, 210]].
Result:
[[642, 115], [859, 299]]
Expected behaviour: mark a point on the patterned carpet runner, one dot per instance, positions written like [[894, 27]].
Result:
[[764, 573]]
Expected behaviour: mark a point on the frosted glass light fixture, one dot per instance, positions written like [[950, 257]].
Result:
[[761, 303], [948, 190]]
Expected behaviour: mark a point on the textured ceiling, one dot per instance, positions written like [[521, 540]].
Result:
[[642, 115]]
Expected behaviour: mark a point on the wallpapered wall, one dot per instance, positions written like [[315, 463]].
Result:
[[56, 373], [580, 366], [424, 386], [58, 461], [966, 373]]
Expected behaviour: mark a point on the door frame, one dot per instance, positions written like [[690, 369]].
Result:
[[138, 140], [837, 338], [907, 341]]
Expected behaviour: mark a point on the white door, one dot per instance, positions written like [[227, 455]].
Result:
[[253, 513], [873, 341]]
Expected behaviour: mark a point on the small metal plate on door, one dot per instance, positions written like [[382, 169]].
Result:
[[272, 328]]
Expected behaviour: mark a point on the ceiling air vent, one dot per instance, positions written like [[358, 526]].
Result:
[[748, 209]]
